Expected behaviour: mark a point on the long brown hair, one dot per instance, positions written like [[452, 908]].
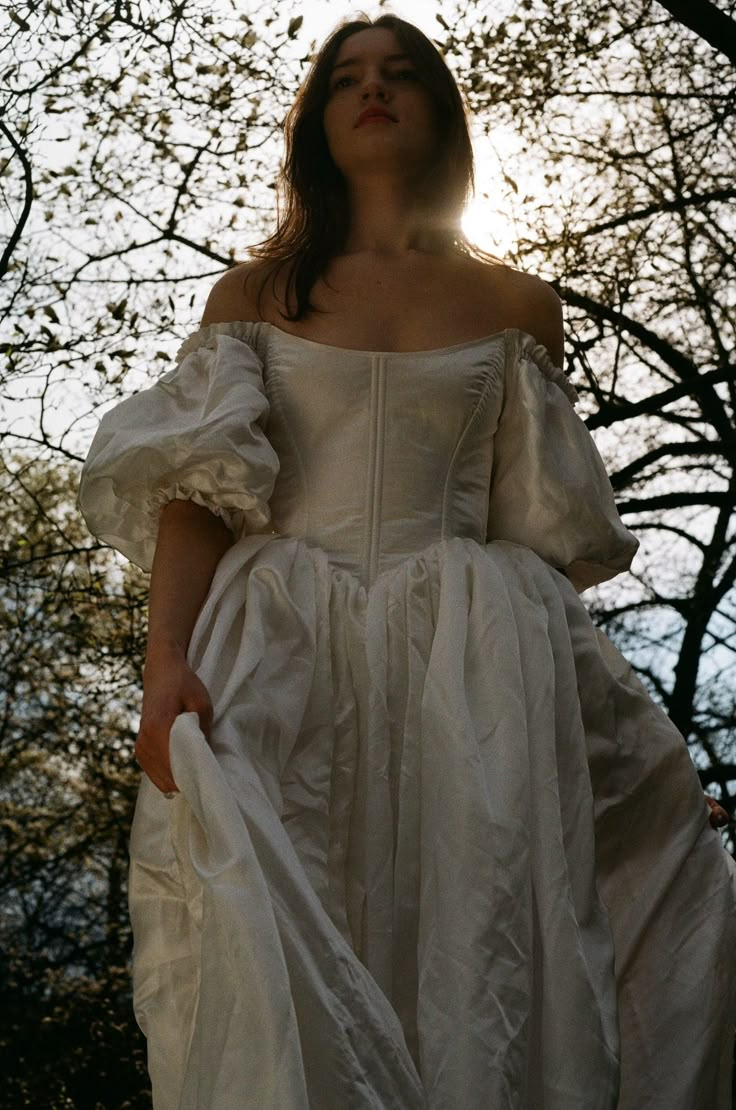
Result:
[[314, 225]]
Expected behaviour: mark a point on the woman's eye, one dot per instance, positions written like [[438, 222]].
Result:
[[342, 82]]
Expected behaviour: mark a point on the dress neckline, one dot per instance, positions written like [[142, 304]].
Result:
[[243, 329], [393, 354]]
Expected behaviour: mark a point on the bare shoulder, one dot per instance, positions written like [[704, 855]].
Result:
[[234, 296], [543, 313], [529, 303]]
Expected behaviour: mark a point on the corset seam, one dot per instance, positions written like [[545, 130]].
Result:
[[376, 452], [276, 404], [490, 378]]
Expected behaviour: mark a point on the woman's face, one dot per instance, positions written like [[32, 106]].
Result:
[[371, 72]]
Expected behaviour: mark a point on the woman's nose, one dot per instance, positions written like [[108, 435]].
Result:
[[373, 86]]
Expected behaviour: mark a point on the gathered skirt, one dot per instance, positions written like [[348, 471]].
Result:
[[441, 851]]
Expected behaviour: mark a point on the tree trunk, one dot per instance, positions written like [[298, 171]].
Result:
[[707, 21]]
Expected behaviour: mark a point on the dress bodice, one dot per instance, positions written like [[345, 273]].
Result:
[[381, 454], [369, 455]]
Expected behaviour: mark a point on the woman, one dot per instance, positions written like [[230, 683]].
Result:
[[412, 834]]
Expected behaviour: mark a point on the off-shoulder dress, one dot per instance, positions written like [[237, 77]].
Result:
[[443, 850]]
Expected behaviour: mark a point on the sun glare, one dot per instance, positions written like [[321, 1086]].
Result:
[[482, 228], [487, 217]]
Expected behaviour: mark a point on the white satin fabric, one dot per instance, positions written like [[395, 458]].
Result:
[[443, 850]]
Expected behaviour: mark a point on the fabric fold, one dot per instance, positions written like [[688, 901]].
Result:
[[408, 832], [197, 434], [549, 488]]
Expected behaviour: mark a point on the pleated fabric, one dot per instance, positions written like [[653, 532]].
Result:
[[378, 886]]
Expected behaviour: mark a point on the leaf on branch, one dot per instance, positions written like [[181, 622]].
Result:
[[294, 25]]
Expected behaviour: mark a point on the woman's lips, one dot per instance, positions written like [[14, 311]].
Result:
[[375, 113]]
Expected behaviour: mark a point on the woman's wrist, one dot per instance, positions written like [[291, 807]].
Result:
[[165, 650]]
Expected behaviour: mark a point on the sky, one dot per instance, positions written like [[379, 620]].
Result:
[[320, 16]]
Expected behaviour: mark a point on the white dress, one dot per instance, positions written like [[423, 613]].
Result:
[[443, 850]]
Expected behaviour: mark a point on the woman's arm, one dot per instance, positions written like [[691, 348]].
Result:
[[191, 542]]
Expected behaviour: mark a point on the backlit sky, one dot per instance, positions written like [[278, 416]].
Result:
[[320, 16]]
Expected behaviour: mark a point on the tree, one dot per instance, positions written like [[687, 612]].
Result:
[[140, 148], [132, 134], [73, 623]]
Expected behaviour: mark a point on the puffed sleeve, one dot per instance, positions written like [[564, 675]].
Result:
[[549, 488], [197, 434]]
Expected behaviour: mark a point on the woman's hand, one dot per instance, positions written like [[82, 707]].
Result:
[[718, 815], [170, 687]]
